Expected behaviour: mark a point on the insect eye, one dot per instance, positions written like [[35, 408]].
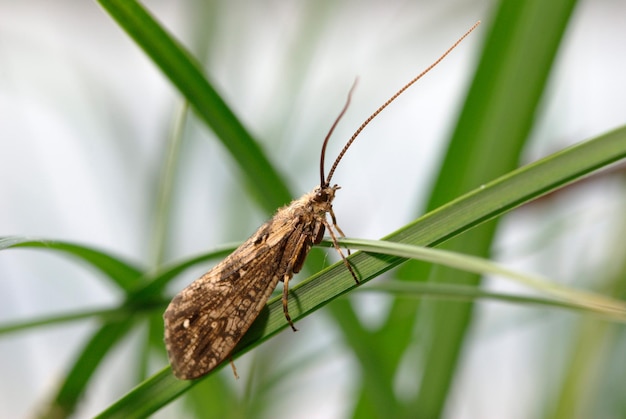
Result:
[[321, 196]]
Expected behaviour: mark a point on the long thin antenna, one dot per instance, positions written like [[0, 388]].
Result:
[[391, 99], [332, 128]]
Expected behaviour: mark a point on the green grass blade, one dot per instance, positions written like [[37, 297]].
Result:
[[217, 397], [592, 379], [105, 315], [148, 397], [163, 204], [458, 216], [265, 183], [487, 141], [496, 120], [140, 298], [454, 292], [582, 299], [516, 188], [124, 274], [75, 383], [161, 389]]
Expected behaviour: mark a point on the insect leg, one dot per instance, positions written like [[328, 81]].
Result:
[[338, 249], [303, 244], [286, 279], [332, 217], [232, 365]]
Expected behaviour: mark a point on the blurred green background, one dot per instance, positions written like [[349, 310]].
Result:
[[97, 147]]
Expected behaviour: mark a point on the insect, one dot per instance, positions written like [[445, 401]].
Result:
[[205, 321]]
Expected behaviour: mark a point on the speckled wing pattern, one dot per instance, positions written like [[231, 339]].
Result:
[[205, 321]]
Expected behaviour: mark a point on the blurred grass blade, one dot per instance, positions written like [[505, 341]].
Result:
[[266, 185], [73, 388], [514, 189], [164, 200], [600, 304], [430, 290], [148, 397], [144, 298], [105, 315], [125, 275], [458, 216], [487, 142], [591, 381]]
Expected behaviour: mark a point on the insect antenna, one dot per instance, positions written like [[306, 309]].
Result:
[[384, 105], [330, 132]]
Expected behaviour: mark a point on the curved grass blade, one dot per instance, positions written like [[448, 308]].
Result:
[[106, 315], [455, 292], [460, 215], [497, 118], [266, 185], [73, 387], [143, 298], [148, 397], [596, 303], [125, 275]]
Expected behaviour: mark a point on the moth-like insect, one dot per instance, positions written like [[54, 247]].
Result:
[[205, 321]]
